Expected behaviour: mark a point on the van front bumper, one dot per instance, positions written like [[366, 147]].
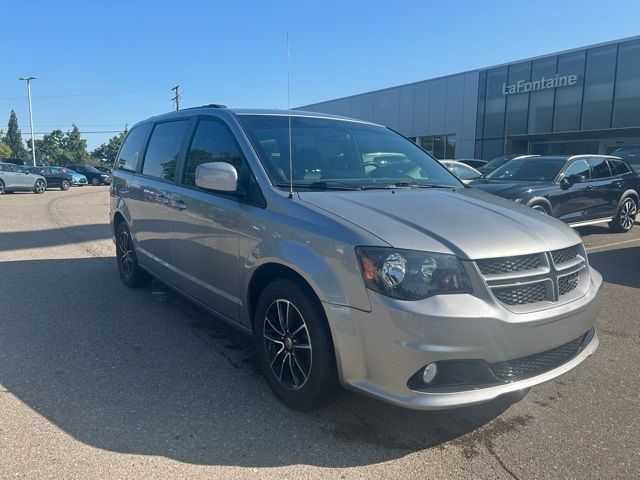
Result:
[[381, 352]]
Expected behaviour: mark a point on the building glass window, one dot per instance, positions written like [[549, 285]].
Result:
[[565, 148], [439, 146], [626, 106], [598, 88], [566, 116], [492, 148], [495, 103], [517, 103], [541, 102]]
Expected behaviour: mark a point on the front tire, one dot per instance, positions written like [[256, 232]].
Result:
[[39, 187], [130, 272], [539, 207], [294, 346], [626, 217], [1, 187], [65, 185]]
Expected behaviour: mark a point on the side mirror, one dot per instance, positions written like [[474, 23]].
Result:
[[219, 176], [572, 180]]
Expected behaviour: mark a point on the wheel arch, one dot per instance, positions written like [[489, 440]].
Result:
[[541, 201]]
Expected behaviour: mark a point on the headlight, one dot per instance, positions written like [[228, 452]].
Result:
[[410, 274]]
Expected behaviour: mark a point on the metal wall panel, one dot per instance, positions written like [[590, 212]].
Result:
[[470, 107], [454, 106], [437, 105], [392, 113], [405, 124], [379, 107], [367, 107], [421, 109]]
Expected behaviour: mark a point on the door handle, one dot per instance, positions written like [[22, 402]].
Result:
[[178, 204], [160, 198]]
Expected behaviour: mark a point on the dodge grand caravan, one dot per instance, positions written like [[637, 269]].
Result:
[[352, 256]]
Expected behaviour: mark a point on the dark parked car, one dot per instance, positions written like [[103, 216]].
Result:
[[472, 162], [579, 190], [56, 177], [94, 176], [108, 170], [491, 165]]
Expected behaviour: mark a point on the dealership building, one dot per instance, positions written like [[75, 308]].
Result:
[[585, 100]]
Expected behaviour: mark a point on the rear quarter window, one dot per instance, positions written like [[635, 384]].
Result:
[[132, 148]]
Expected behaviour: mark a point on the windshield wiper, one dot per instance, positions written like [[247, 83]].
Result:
[[323, 185], [406, 184]]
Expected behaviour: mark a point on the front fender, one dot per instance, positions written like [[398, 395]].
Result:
[[334, 276]]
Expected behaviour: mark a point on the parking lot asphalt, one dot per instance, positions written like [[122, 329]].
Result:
[[101, 381]]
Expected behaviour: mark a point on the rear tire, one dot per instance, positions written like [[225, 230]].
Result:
[[95, 182], [626, 217], [130, 272], [294, 347], [65, 185], [39, 187]]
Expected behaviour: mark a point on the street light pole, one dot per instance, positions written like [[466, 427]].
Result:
[[33, 143]]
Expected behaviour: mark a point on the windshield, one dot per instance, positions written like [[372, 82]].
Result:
[[331, 153], [462, 171], [498, 161], [540, 169]]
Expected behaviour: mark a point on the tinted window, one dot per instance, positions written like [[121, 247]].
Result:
[[350, 153], [164, 147], [132, 148], [569, 98], [599, 168], [541, 101], [531, 169], [618, 168], [578, 167], [213, 142], [4, 168]]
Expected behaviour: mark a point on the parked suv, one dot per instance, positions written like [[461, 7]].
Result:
[[580, 190], [390, 278], [94, 176], [16, 178]]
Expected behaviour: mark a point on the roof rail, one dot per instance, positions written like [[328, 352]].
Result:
[[211, 105]]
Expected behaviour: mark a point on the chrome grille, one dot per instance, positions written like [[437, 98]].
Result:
[[568, 283], [523, 282], [522, 294], [531, 365], [520, 263], [564, 255]]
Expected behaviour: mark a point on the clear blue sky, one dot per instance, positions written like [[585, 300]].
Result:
[[110, 63]]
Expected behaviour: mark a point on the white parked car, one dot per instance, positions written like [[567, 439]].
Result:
[[461, 170]]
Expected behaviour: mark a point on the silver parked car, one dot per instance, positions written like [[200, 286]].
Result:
[[352, 256], [16, 178]]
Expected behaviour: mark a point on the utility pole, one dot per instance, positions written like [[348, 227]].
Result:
[[176, 97], [33, 143]]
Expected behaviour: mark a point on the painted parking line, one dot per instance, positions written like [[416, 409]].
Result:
[[614, 244]]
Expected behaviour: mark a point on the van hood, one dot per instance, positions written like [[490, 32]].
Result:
[[466, 222]]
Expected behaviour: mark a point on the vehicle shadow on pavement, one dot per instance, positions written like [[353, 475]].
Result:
[[53, 237], [619, 266], [145, 372]]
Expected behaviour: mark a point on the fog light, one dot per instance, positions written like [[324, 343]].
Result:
[[430, 372]]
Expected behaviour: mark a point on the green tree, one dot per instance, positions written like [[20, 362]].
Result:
[[5, 151], [13, 138], [49, 148], [74, 147], [109, 149]]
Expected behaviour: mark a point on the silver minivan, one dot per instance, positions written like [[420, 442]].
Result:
[[352, 256]]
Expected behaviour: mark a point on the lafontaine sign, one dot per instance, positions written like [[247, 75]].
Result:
[[522, 86]]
